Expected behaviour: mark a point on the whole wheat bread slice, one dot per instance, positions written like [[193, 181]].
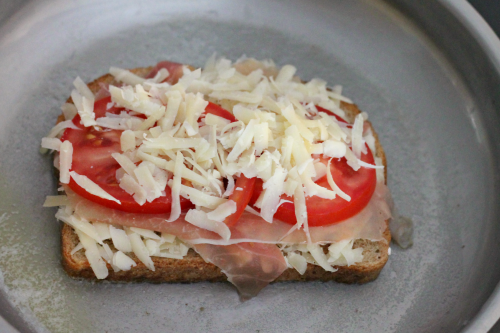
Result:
[[192, 268]]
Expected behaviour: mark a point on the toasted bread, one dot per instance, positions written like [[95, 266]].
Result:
[[192, 268]]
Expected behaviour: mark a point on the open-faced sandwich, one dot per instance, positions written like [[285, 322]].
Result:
[[237, 171]]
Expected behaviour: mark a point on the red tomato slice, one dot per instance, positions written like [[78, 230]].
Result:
[[174, 69], [219, 111], [92, 157], [241, 197], [359, 185], [320, 109], [92, 151], [247, 184]]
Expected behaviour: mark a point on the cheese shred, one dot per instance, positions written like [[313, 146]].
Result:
[[195, 138]]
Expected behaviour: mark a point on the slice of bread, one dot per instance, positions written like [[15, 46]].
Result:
[[192, 268]]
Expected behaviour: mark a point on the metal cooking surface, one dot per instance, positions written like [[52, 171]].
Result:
[[440, 161]]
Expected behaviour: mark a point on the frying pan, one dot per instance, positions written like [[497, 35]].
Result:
[[428, 74]]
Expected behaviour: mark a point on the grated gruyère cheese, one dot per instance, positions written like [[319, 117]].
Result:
[[277, 137]]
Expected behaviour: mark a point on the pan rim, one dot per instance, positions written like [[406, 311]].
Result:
[[490, 44], [481, 31]]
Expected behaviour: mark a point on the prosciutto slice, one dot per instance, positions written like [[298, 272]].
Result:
[[250, 258], [248, 266], [368, 224]]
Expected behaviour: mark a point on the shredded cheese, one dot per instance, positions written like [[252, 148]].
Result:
[[140, 249], [55, 201], [83, 99], [93, 255], [91, 187], [65, 160], [127, 140], [169, 141], [122, 261], [120, 239], [176, 188], [51, 143], [201, 219], [125, 76], [69, 111], [273, 190]]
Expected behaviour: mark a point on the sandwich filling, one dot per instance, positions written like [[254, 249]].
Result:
[[254, 169]]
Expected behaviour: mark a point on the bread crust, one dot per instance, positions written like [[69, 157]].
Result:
[[192, 268]]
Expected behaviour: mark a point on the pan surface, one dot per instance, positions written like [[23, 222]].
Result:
[[434, 109]]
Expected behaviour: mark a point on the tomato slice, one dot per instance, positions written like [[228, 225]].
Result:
[[219, 111], [241, 197], [92, 151], [174, 69], [359, 185], [330, 113]]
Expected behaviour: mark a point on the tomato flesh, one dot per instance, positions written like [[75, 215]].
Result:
[[330, 113], [217, 110], [92, 151], [241, 197], [243, 190], [359, 185]]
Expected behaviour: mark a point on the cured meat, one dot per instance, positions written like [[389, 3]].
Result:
[[368, 224], [139, 134], [174, 70], [248, 266], [250, 258]]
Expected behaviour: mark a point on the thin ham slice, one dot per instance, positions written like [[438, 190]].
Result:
[[248, 266], [250, 258], [103, 91], [174, 69], [368, 224]]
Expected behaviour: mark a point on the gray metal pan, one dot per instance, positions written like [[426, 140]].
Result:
[[427, 73]]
